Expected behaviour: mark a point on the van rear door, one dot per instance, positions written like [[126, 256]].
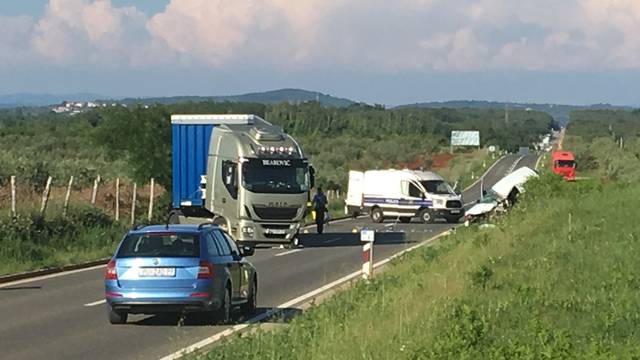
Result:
[[355, 189]]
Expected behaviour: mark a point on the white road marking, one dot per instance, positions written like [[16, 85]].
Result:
[[212, 339], [50, 276], [288, 252], [485, 173], [96, 303]]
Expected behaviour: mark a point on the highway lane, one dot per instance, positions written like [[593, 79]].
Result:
[[48, 319]]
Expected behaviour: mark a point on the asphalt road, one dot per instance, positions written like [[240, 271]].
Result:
[[64, 317]]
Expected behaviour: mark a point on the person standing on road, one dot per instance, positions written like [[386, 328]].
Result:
[[320, 207]]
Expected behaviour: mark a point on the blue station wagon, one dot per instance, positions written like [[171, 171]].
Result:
[[180, 268]]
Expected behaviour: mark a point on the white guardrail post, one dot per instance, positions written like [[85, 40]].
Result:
[[368, 237]]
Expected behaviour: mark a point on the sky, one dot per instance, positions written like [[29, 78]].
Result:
[[377, 51]]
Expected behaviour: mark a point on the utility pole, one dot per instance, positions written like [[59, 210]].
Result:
[[506, 113]]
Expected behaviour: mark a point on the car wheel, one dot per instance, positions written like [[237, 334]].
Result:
[[117, 317], [426, 216], [405, 220], [249, 308], [223, 314], [377, 215]]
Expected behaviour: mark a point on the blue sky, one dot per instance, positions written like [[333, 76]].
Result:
[[574, 51]]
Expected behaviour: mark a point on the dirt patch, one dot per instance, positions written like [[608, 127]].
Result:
[[441, 160]]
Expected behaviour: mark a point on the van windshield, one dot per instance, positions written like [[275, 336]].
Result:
[[276, 176], [437, 187], [160, 245]]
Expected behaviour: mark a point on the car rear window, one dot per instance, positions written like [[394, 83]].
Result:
[[160, 245]]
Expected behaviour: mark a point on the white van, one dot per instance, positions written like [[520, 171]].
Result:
[[402, 194]]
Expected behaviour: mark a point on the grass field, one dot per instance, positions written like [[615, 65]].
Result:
[[557, 278]]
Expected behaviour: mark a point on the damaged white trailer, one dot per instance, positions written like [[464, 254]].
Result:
[[502, 195]]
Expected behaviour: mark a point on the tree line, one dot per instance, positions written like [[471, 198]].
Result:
[[136, 141]]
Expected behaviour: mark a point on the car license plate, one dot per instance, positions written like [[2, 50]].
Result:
[[455, 211], [157, 272], [276, 231]]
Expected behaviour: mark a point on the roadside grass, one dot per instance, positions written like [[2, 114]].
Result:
[[603, 158], [558, 277], [30, 241]]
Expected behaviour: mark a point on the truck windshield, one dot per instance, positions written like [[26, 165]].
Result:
[[437, 187], [565, 163], [275, 176]]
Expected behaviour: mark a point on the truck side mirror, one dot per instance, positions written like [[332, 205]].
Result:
[[312, 177]]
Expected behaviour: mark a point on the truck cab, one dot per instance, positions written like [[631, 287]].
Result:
[[241, 173], [402, 194], [564, 163]]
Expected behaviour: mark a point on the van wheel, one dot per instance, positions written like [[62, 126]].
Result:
[[117, 317], [405, 220], [426, 216], [377, 215]]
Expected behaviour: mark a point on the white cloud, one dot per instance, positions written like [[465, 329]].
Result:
[[94, 32], [363, 35]]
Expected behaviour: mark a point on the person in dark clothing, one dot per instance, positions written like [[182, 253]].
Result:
[[320, 207]]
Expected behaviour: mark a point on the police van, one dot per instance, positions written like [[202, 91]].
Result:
[[403, 195]]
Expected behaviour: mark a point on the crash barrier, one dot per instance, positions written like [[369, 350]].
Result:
[[368, 237]]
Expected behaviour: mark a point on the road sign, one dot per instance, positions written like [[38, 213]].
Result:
[[367, 235], [465, 138]]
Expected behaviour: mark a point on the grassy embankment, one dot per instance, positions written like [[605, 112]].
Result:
[[557, 278]]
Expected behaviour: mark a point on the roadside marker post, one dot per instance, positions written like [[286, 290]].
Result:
[[368, 237]]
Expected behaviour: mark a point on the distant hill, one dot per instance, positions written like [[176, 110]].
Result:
[[267, 97], [559, 112], [31, 99]]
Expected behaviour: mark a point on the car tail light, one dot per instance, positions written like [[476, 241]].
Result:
[[205, 270], [110, 273]]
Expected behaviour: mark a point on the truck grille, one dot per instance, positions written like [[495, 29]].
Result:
[[275, 213], [454, 204]]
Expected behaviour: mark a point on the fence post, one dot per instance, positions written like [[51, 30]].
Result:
[[117, 199], [133, 204], [95, 190], [150, 215], [368, 237], [45, 195], [13, 196], [66, 197]]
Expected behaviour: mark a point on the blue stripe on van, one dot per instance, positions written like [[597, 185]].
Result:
[[391, 201]]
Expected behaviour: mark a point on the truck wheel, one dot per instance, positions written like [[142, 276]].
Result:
[[117, 317], [426, 216], [174, 217], [377, 215], [405, 219]]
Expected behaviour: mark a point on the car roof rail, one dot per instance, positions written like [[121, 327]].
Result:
[[138, 226], [208, 223]]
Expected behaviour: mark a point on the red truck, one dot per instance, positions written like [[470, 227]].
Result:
[[564, 163]]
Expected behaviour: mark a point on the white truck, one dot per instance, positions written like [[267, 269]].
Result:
[[402, 194]]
